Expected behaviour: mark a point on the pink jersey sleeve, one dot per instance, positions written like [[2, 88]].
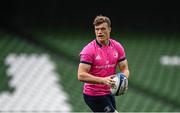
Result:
[[121, 52], [86, 55]]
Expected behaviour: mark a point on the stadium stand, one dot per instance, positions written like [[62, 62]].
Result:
[[153, 86]]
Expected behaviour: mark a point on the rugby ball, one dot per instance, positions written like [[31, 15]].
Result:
[[121, 84]]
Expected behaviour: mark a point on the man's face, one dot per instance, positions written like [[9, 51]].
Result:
[[102, 32]]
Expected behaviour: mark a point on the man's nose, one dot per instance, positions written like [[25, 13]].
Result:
[[99, 31]]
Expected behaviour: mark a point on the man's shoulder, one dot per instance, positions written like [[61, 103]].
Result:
[[89, 47], [116, 44], [90, 44], [114, 41]]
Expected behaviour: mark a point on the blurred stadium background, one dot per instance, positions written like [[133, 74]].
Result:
[[40, 43]]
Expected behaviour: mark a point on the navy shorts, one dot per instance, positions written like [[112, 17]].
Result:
[[104, 103]]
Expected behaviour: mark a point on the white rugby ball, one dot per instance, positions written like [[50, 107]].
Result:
[[121, 84]]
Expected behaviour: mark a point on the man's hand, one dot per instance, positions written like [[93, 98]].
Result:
[[108, 80]]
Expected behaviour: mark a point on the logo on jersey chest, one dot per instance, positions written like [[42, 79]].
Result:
[[98, 57], [103, 62], [115, 55]]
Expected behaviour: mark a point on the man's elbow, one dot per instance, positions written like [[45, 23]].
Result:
[[80, 77]]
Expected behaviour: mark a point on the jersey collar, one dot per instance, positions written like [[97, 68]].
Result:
[[100, 45]]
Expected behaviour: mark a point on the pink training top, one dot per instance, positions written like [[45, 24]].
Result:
[[103, 61]]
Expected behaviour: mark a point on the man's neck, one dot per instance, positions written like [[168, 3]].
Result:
[[105, 42]]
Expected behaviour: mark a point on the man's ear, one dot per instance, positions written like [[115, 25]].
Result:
[[109, 29]]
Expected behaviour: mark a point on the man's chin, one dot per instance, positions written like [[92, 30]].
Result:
[[101, 38]]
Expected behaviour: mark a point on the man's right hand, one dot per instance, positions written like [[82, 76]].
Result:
[[108, 80]]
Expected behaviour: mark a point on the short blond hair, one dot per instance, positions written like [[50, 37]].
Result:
[[101, 19]]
